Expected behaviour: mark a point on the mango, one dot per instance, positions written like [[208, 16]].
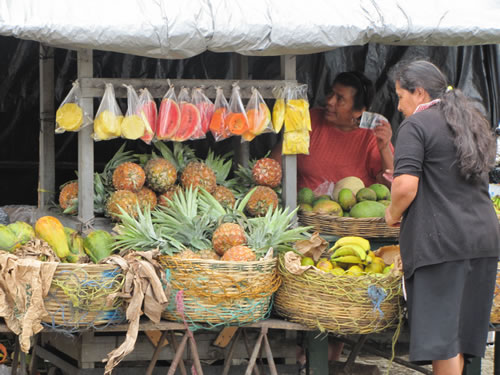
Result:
[[326, 206], [368, 209], [305, 207], [352, 183], [98, 245], [8, 239], [382, 191], [23, 231], [385, 202], [347, 199], [305, 195], [366, 194], [50, 229]]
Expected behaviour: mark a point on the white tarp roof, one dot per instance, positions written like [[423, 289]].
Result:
[[183, 28]]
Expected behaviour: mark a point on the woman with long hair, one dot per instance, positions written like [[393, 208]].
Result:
[[449, 236]]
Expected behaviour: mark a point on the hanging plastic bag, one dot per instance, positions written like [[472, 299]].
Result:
[[236, 120], [148, 112], [217, 123], [297, 115], [279, 108], [190, 118], [108, 119], [296, 143], [132, 126], [206, 108], [169, 118], [258, 115], [70, 116]]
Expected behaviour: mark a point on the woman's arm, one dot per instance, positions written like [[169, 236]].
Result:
[[383, 133], [403, 191]]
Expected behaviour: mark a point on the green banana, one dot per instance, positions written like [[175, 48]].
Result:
[[349, 240], [351, 249], [352, 259]]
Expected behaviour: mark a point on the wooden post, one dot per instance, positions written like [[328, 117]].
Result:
[[289, 162], [86, 148], [317, 353], [241, 150], [46, 172]]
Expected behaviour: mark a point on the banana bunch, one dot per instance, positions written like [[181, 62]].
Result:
[[351, 250]]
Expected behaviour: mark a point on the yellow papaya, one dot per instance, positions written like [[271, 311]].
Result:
[[23, 231], [8, 239], [50, 229], [98, 245]]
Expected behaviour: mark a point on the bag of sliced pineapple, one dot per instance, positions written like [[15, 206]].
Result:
[[71, 115], [109, 117]]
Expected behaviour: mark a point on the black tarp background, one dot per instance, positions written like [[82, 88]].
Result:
[[474, 69]]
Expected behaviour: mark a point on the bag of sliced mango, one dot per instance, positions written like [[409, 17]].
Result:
[[258, 116], [70, 116], [132, 126], [279, 108], [109, 117]]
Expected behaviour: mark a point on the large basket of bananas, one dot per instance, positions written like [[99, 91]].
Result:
[[81, 296], [350, 291]]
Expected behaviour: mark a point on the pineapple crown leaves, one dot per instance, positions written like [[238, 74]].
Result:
[[142, 234], [180, 156], [274, 229], [221, 165]]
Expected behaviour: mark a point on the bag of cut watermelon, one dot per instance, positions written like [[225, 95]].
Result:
[[258, 115], [190, 118], [217, 123], [236, 119], [70, 116], [148, 111], [206, 108], [132, 126], [108, 119], [169, 117], [279, 108]]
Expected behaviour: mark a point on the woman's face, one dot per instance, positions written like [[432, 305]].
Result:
[[339, 107], [408, 101]]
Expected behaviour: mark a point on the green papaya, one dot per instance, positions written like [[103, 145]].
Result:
[[75, 244], [23, 231], [98, 245], [8, 239]]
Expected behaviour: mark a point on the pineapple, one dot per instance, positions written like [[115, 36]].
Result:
[[239, 253], [267, 172], [129, 176], [198, 174], [164, 199], [224, 196], [160, 174], [146, 197], [187, 254], [68, 197], [208, 254], [125, 199], [226, 236], [262, 198], [180, 156]]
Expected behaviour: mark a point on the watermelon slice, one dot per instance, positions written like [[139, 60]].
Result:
[[206, 111], [169, 119], [148, 112], [190, 121]]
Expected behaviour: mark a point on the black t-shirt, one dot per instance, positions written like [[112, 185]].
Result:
[[450, 218]]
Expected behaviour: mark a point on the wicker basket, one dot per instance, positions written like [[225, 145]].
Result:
[[373, 227], [78, 296], [219, 292], [339, 304], [495, 308]]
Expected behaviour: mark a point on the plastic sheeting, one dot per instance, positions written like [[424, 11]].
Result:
[[177, 29]]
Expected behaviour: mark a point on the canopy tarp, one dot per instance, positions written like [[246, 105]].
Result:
[[175, 29]]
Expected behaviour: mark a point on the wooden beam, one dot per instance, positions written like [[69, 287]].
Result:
[[85, 148], [94, 87], [46, 174], [225, 336]]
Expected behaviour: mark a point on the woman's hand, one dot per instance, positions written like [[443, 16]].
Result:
[[383, 133], [390, 220]]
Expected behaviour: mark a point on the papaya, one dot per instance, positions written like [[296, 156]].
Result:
[[8, 239], [50, 229], [23, 231], [98, 245], [237, 123]]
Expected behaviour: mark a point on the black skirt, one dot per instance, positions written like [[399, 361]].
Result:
[[449, 307]]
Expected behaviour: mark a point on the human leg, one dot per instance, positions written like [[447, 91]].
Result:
[[451, 366]]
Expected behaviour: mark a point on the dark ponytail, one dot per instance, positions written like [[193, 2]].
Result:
[[473, 136]]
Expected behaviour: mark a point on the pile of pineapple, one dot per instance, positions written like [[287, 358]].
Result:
[[189, 207]]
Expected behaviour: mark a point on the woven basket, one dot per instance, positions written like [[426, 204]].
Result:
[[219, 292], [373, 227], [339, 304], [78, 296], [495, 308]]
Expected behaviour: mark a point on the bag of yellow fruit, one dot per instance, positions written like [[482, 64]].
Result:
[[70, 116], [297, 116], [132, 126], [279, 108], [108, 119]]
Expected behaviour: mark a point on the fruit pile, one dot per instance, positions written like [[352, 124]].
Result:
[[350, 255], [350, 198], [496, 204], [65, 242]]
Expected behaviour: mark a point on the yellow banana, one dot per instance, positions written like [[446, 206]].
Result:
[[352, 259], [349, 240], [351, 249]]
